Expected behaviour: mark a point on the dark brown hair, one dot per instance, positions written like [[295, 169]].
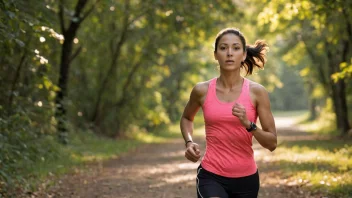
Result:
[[255, 53]]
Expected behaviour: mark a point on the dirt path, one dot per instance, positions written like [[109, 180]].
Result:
[[161, 171]]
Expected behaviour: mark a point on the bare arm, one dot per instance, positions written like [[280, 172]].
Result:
[[192, 152], [267, 136], [191, 109]]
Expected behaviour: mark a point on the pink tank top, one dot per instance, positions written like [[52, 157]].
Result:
[[229, 150]]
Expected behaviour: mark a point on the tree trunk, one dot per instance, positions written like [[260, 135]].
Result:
[[338, 95], [312, 109], [66, 59], [340, 106], [62, 92], [115, 54]]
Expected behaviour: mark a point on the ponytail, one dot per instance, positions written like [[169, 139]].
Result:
[[255, 53], [255, 56]]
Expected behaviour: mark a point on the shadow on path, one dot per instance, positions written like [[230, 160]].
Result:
[[160, 171]]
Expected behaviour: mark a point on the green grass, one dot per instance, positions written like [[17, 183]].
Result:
[[322, 165], [85, 147], [325, 124], [173, 130], [320, 127]]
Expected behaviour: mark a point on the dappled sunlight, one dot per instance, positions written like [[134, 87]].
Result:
[[261, 153], [302, 164], [188, 166], [270, 178], [146, 177], [161, 170], [321, 127], [304, 161], [315, 157], [188, 179], [181, 178], [293, 166], [148, 138], [92, 158], [330, 182], [172, 154], [151, 169], [147, 170], [282, 122]]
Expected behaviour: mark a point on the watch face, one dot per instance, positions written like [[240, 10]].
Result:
[[252, 127]]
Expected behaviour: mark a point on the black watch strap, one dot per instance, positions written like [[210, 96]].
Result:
[[252, 127]]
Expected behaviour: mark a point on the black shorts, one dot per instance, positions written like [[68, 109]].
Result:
[[212, 185]]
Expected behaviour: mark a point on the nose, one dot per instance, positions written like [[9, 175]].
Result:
[[229, 52]]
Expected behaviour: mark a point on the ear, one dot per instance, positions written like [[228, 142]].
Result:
[[244, 55], [215, 56]]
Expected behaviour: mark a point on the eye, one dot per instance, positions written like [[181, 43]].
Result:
[[222, 47], [237, 48]]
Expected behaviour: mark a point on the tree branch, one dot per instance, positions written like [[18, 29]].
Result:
[[75, 54], [61, 16], [138, 16], [346, 42], [78, 9], [115, 55], [127, 84], [348, 23], [17, 74], [90, 10]]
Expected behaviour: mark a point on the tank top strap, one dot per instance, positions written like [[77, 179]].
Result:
[[212, 85], [245, 90], [246, 86], [211, 91]]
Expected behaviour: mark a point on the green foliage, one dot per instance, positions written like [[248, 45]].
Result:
[[146, 69], [26, 94], [22, 144], [324, 123], [313, 36], [129, 72], [285, 98], [136, 64], [317, 165], [346, 71], [34, 164]]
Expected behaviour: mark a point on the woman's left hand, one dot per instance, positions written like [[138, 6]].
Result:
[[239, 111]]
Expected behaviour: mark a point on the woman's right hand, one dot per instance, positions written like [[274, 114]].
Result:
[[192, 152]]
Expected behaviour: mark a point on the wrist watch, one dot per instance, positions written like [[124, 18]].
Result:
[[252, 127]]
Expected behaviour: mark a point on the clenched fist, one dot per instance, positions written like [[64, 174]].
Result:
[[192, 152], [239, 111]]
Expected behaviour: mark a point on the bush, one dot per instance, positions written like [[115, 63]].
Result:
[[22, 143]]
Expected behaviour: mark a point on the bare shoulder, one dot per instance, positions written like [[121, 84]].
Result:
[[258, 93], [257, 89], [201, 88]]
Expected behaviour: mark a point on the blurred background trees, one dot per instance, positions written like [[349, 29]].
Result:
[[109, 65], [316, 37]]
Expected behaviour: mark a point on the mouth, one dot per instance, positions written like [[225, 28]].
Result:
[[230, 61]]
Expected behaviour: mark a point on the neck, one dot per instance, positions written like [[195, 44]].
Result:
[[230, 79]]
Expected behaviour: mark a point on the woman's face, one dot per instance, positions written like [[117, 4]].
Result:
[[230, 52]]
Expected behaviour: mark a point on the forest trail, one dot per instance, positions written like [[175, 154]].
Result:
[[161, 171]]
